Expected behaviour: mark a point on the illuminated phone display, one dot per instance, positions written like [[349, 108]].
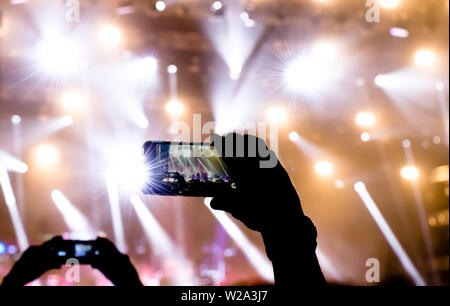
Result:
[[185, 169]]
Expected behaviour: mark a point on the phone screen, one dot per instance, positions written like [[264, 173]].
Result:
[[185, 169]]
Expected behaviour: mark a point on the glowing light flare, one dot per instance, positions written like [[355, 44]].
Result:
[[276, 115], [76, 222], [390, 4], [365, 137], [323, 168], [410, 173], [399, 32], [174, 107], [216, 6], [425, 58], [324, 51], [251, 252], [160, 6], [110, 36], [365, 119], [172, 69], [304, 75], [46, 156], [59, 56], [16, 119], [72, 101], [406, 262], [67, 120], [126, 167], [293, 136]]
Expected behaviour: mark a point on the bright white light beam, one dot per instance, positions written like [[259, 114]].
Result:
[[405, 261], [77, 223], [11, 163], [10, 200], [161, 240], [113, 195], [253, 254]]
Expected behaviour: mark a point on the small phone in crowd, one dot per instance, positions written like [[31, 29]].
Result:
[[83, 251], [185, 169]]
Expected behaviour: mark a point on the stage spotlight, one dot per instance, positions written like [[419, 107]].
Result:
[[235, 72], [304, 75], [110, 36], [365, 137], [245, 16], [67, 120], [16, 119], [293, 136], [324, 51], [160, 6], [399, 32], [424, 58], [339, 184], [382, 80], [216, 6], [142, 122], [365, 119], [249, 23], [149, 64], [389, 3], [127, 168], [276, 115], [410, 173], [46, 156], [72, 101], [172, 69], [59, 56], [174, 107], [323, 168]]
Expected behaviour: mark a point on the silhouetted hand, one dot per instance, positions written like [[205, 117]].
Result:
[[34, 262], [266, 201], [115, 265], [37, 260]]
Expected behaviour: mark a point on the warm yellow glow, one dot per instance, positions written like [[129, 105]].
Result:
[[276, 115], [425, 58], [324, 168], [410, 173], [365, 119], [46, 156], [389, 3], [110, 36], [174, 107], [72, 101], [324, 51], [432, 221]]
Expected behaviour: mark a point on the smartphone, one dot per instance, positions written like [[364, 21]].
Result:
[[185, 169], [84, 251]]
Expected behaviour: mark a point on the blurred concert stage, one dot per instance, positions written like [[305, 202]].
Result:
[[358, 111]]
